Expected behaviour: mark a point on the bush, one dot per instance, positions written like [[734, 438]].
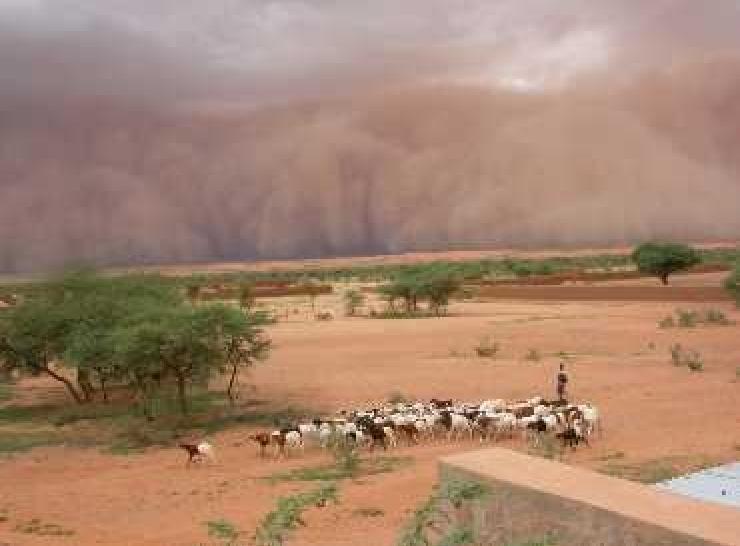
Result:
[[715, 316], [686, 357], [353, 300], [486, 348], [690, 319], [397, 397], [533, 355], [222, 529], [732, 284], [687, 319], [664, 259], [667, 322]]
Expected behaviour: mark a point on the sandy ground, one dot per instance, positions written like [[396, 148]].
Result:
[[618, 359]]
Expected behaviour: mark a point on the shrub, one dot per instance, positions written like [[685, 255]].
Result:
[[687, 319], [715, 316], [397, 397], [663, 259], [690, 319], [486, 348], [273, 530], [686, 357], [353, 300], [222, 529], [732, 284], [533, 355]]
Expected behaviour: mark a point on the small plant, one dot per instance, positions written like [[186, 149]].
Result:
[[717, 317], [345, 456], [436, 513], [686, 357], [533, 355], [652, 346], [667, 322], [691, 319], [676, 354], [687, 319], [353, 300], [222, 529], [274, 529], [37, 527], [695, 364], [397, 397], [487, 348]]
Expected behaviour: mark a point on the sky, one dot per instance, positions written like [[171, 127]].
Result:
[[145, 131]]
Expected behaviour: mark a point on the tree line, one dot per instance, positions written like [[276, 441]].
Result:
[[136, 333]]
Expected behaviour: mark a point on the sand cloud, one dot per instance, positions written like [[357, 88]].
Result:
[[180, 130]]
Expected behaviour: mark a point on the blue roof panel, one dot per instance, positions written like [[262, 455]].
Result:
[[721, 485]]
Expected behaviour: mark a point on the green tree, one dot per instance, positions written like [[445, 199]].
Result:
[[93, 307], [437, 289], [30, 340], [353, 300], [664, 259], [243, 342], [733, 283], [407, 288]]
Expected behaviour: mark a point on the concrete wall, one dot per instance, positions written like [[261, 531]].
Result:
[[532, 497]]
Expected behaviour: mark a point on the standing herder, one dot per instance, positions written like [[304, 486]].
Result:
[[562, 382]]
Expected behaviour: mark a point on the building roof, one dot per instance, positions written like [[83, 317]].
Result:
[[720, 485]]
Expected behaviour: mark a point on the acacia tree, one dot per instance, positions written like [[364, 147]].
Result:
[[244, 343], [30, 340], [94, 307], [438, 289], [407, 288], [664, 259]]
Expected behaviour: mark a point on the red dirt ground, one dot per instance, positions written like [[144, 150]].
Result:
[[619, 360]]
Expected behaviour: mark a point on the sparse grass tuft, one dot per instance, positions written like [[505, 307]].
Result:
[[276, 526], [37, 527], [342, 470], [533, 355], [397, 397], [686, 357], [715, 316], [487, 348], [438, 512], [16, 442], [691, 319], [667, 322], [687, 319], [657, 470], [222, 529]]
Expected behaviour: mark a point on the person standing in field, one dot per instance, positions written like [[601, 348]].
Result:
[[562, 382]]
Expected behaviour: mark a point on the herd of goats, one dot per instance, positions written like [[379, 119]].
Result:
[[390, 425]]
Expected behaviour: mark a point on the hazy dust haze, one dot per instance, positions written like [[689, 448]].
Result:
[[136, 131]]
